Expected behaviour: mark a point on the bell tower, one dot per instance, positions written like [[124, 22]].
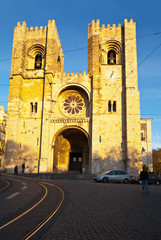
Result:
[[29, 49], [37, 55], [112, 66]]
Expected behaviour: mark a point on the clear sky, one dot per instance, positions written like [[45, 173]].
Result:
[[72, 18]]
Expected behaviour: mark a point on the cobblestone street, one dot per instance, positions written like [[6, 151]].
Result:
[[107, 211]]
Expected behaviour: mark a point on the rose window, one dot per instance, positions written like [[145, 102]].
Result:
[[73, 104]]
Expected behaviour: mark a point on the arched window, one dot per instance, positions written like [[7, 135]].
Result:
[[38, 61], [111, 58]]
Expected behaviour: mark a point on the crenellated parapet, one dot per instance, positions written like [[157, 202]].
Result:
[[95, 28], [22, 31], [36, 32], [70, 80], [77, 76], [24, 25], [131, 22]]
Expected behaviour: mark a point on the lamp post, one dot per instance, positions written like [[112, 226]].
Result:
[[147, 144], [42, 109]]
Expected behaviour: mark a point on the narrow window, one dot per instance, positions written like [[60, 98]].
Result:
[[58, 60], [100, 139], [31, 107], [142, 136], [111, 58], [58, 64], [38, 61], [114, 106], [35, 107], [109, 106]]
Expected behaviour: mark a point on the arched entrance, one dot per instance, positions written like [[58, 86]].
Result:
[[71, 151]]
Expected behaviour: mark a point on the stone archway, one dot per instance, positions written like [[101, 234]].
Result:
[[71, 151]]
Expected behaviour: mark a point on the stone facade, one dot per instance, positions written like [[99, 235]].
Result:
[[61, 122], [3, 120], [146, 142]]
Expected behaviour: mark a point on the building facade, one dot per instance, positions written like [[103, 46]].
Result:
[[88, 122], [146, 140], [3, 120]]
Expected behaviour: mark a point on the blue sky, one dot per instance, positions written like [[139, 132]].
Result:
[[72, 18]]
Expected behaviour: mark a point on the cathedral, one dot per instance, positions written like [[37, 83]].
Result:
[[76, 122]]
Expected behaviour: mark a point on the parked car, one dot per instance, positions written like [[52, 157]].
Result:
[[152, 179], [113, 176], [134, 180]]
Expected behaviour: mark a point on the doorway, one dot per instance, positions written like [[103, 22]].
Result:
[[71, 151], [75, 162]]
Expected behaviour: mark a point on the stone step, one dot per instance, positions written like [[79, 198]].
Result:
[[65, 176]]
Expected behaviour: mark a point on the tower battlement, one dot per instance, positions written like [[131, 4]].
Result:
[[72, 75], [22, 29], [19, 25], [130, 22], [22, 32], [94, 27], [24, 25], [76, 74]]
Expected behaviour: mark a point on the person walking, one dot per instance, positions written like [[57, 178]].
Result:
[[144, 179], [16, 170], [23, 167]]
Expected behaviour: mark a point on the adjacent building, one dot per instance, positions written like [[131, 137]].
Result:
[[3, 120], [146, 142], [81, 122]]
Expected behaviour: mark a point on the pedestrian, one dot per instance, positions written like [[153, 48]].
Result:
[[144, 179], [16, 170], [23, 167]]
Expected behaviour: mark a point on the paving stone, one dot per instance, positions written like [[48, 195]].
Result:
[[107, 211]]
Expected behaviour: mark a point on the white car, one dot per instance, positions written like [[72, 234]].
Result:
[[113, 176]]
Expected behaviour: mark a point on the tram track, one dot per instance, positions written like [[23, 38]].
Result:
[[6, 186], [32, 220], [37, 228], [24, 213]]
